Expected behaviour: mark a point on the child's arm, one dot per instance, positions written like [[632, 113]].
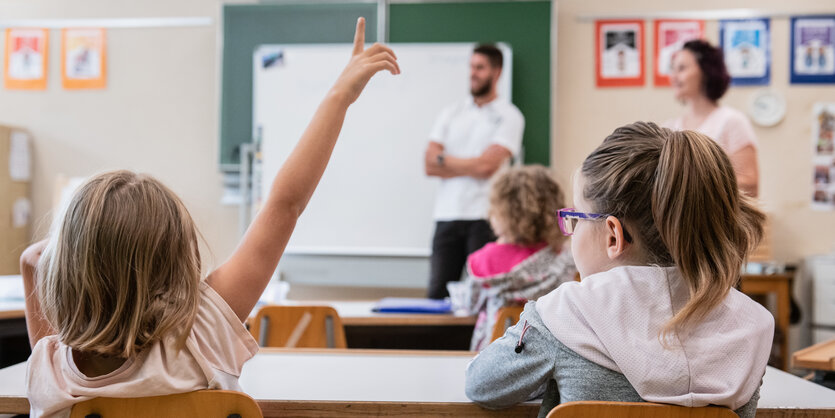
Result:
[[499, 377], [36, 324], [242, 279]]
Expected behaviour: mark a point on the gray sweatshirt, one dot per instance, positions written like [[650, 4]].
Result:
[[499, 377]]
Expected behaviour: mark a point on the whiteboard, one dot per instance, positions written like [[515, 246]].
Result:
[[374, 198]]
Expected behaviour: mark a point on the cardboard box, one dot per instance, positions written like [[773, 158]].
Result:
[[15, 204]]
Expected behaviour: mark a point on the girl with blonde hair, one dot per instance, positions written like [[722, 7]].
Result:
[[659, 232], [115, 302], [529, 259]]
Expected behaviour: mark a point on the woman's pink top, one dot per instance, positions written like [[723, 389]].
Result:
[[725, 125]]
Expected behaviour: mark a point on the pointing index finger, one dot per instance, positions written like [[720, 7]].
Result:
[[359, 36]]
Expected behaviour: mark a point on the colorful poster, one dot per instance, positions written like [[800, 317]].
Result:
[[619, 53], [670, 35], [26, 57], [823, 160], [83, 59], [813, 49], [747, 48]]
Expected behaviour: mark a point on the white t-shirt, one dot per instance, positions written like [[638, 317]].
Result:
[[215, 351], [466, 130]]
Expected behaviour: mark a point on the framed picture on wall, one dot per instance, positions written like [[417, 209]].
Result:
[[619, 53], [26, 58], [670, 35], [823, 158], [812, 49], [83, 59], [747, 48]]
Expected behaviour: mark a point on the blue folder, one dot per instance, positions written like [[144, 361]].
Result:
[[413, 305]]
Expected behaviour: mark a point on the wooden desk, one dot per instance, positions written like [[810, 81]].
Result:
[[780, 285], [367, 329], [817, 357], [11, 310], [11, 297], [361, 313], [408, 383], [14, 341]]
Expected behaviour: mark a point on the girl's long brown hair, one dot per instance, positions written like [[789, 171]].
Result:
[[677, 193], [122, 267]]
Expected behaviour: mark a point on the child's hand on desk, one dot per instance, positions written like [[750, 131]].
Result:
[[363, 65]]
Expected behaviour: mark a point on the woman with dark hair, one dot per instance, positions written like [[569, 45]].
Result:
[[699, 79]]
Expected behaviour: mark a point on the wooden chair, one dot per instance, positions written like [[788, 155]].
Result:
[[203, 403], [298, 326], [507, 317], [594, 409]]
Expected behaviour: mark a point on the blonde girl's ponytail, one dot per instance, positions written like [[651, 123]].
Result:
[[706, 223]]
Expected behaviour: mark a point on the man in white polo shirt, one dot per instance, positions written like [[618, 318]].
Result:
[[470, 141]]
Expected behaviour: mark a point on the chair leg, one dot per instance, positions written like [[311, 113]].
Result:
[[329, 334], [265, 328]]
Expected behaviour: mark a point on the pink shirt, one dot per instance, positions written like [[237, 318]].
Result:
[[725, 125], [493, 258], [215, 351]]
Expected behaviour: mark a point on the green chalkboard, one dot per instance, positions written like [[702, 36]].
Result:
[[525, 26], [247, 26]]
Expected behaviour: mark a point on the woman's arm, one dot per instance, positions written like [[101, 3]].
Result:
[[242, 279], [36, 324], [747, 170]]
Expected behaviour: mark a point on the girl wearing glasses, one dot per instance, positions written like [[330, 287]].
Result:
[[528, 259], [660, 230]]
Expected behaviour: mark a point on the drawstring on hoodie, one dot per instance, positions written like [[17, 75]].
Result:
[[521, 344]]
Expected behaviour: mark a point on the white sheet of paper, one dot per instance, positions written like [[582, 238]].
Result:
[[21, 212], [20, 159]]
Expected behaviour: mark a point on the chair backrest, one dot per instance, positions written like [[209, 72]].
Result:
[[299, 327], [505, 318], [594, 409], [203, 403]]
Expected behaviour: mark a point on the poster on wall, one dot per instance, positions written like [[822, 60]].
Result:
[[670, 35], [26, 59], [619, 53], [823, 160], [747, 48], [83, 59], [813, 49]]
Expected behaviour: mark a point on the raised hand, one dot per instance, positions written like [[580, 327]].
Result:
[[363, 65]]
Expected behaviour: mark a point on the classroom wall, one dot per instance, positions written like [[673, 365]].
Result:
[[158, 114], [585, 114]]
